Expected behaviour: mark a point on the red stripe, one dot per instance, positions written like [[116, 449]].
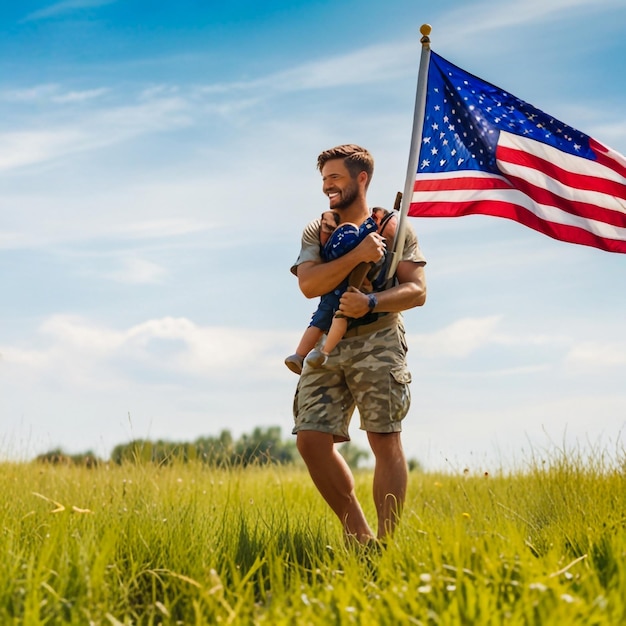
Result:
[[496, 208], [455, 184], [548, 168], [603, 156], [574, 207]]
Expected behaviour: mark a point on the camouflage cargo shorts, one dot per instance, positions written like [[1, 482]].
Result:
[[368, 372]]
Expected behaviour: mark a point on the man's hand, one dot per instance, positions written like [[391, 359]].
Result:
[[316, 279], [372, 248], [409, 293], [354, 303]]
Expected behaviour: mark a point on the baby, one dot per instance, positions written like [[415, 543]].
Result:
[[335, 242]]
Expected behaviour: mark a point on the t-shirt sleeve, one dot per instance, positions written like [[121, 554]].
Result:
[[412, 251], [310, 246]]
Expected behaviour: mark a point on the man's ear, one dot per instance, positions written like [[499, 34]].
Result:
[[363, 178]]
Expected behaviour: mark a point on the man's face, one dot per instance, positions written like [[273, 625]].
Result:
[[342, 190]]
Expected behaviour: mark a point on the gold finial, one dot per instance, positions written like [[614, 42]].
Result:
[[425, 31]]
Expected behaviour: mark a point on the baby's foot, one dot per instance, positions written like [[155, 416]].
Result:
[[294, 363], [316, 358]]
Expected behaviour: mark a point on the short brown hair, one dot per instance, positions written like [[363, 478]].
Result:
[[355, 158]]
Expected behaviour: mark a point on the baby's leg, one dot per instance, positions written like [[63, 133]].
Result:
[[358, 274], [337, 330], [309, 338], [335, 334]]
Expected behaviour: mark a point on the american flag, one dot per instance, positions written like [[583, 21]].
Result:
[[484, 151]]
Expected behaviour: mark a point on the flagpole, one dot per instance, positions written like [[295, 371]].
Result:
[[418, 124]]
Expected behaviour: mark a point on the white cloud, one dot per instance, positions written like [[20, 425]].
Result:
[[76, 350], [497, 16], [138, 271], [64, 7], [80, 96], [379, 63], [78, 335], [94, 129], [18, 149], [170, 227], [459, 339], [30, 94], [595, 354], [51, 92], [466, 336]]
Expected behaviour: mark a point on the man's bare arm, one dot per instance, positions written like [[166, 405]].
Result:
[[409, 293], [316, 279]]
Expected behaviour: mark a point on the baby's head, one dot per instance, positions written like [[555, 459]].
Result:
[[329, 221], [386, 221]]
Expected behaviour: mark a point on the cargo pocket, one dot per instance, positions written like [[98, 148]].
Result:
[[400, 393]]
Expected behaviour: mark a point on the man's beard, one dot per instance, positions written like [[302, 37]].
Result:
[[348, 196]]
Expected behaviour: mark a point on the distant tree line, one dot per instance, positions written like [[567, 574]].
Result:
[[261, 447], [57, 456]]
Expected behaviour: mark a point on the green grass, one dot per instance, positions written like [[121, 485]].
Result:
[[187, 544]]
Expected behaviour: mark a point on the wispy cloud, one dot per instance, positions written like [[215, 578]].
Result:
[[597, 354], [80, 96], [36, 93], [493, 16], [466, 336], [64, 7], [50, 93], [136, 271], [379, 63], [94, 129]]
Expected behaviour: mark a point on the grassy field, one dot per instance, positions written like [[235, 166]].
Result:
[[186, 544]]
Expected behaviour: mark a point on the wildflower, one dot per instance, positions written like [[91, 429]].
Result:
[[424, 589], [425, 578], [538, 586], [466, 515], [567, 598]]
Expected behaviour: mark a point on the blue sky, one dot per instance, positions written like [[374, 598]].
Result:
[[157, 165]]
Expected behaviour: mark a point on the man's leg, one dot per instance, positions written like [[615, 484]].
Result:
[[333, 479], [390, 479]]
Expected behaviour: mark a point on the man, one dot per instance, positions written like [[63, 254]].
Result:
[[368, 369]]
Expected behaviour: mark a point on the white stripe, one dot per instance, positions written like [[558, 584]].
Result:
[[539, 179], [459, 174], [576, 165], [545, 212]]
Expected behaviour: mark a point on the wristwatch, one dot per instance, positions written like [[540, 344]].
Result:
[[372, 301]]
